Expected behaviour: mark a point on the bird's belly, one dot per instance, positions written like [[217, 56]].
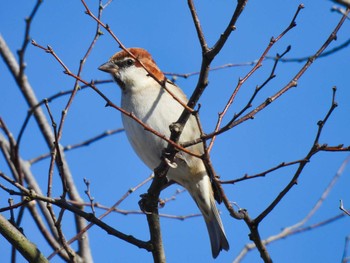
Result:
[[159, 113], [146, 145], [155, 115]]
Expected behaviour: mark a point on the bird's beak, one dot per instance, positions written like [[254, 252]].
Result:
[[109, 67]]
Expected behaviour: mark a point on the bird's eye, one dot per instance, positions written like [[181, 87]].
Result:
[[129, 62]]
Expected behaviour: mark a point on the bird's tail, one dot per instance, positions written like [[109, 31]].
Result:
[[216, 231], [204, 197]]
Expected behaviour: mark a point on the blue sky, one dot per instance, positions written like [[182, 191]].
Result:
[[284, 131]]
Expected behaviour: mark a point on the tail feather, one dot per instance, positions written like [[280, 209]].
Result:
[[204, 197], [216, 231]]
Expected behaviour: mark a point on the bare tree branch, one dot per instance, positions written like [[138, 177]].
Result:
[[77, 211], [341, 207], [28, 250], [28, 93], [300, 227], [314, 149], [80, 144], [109, 210], [291, 84], [345, 257]]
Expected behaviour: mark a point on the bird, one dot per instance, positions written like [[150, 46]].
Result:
[[143, 95]]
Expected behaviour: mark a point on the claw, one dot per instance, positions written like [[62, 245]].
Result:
[[171, 164]]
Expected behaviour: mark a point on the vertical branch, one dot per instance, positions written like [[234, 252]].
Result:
[[156, 235], [59, 158], [26, 40], [254, 235], [207, 57], [149, 205], [197, 24]]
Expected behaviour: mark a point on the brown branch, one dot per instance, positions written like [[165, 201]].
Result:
[[230, 27], [272, 75], [253, 224], [225, 66], [198, 27], [324, 54], [63, 204], [40, 118], [71, 254], [285, 233], [262, 174], [337, 148], [136, 212], [314, 149], [50, 99], [13, 153], [26, 40], [254, 235], [32, 184], [80, 144], [299, 226], [56, 154], [161, 82], [149, 201], [11, 207], [291, 84], [162, 202], [109, 210], [156, 235], [250, 63], [248, 75], [88, 194], [176, 129], [67, 183]]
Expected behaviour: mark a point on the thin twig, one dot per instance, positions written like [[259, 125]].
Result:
[[75, 210], [137, 212], [32, 184], [299, 226], [40, 117], [80, 144], [55, 153], [225, 66], [161, 82], [291, 84], [26, 39], [109, 210], [313, 150], [88, 193], [262, 174], [341, 207]]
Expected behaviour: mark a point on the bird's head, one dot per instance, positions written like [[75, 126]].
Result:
[[129, 70]]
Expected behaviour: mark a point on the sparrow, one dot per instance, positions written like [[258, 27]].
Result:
[[144, 97]]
